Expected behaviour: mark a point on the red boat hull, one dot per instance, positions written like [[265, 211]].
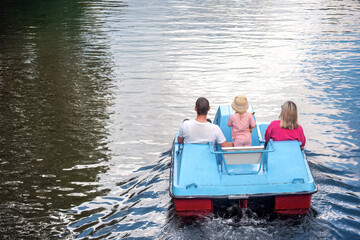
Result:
[[193, 207], [293, 204], [283, 205]]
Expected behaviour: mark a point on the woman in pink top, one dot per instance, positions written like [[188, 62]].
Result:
[[287, 128], [241, 121]]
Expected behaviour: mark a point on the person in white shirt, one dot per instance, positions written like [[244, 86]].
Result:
[[199, 130]]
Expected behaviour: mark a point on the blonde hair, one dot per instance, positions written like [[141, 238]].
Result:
[[289, 115]]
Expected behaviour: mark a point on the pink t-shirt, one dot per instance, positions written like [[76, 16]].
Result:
[[275, 132], [240, 124]]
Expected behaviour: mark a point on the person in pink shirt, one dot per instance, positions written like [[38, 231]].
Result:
[[241, 121], [287, 128]]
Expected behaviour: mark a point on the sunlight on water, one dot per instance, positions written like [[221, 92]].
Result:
[[92, 94]]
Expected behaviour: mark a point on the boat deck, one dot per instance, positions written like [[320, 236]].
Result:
[[199, 174]]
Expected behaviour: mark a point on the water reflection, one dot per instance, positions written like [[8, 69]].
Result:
[[133, 208], [55, 85], [92, 93]]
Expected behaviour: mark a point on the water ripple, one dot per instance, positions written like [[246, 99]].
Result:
[[92, 93]]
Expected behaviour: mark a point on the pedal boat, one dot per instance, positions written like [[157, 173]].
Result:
[[203, 173]]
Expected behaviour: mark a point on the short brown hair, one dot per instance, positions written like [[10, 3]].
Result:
[[289, 115], [202, 106]]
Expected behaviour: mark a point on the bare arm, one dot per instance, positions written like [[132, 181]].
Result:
[[252, 121], [180, 140], [226, 144]]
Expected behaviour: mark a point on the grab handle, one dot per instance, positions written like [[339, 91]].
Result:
[[194, 185]]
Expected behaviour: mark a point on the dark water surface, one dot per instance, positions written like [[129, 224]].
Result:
[[93, 92]]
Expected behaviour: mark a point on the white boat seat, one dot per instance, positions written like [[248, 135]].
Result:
[[242, 155]]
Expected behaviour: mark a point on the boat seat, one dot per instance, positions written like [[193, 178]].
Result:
[[242, 155], [241, 160]]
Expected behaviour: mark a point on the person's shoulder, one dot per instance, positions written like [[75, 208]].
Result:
[[248, 114], [232, 115], [215, 129], [214, 126], [300, 127], [275, 123], [187, 122]]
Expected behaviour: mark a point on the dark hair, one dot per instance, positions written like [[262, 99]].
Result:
[[202, 106]]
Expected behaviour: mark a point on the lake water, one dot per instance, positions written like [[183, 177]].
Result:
[[93, 92]]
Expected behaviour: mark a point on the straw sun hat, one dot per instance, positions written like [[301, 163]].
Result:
[[240, 104]]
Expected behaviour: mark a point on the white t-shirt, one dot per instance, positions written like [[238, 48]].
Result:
[[198, 132]]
